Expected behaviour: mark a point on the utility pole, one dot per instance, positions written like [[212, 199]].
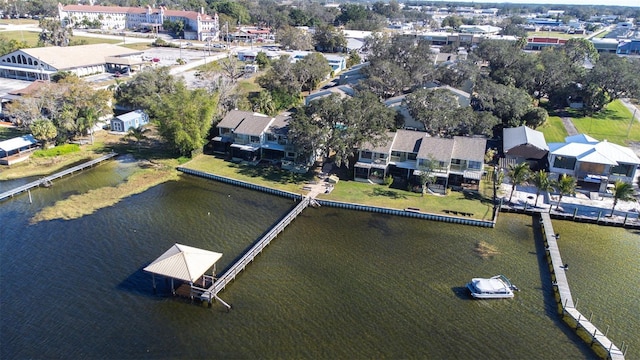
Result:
[[633, 118]]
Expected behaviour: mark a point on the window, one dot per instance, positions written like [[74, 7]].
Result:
[[622, 170], [564, 162], [254, 139], [366, 154], [475, 165], [412, 156]]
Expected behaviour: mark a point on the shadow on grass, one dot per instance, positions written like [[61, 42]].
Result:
[[150, 150], [472, 195], [272, 173], [387, 193]]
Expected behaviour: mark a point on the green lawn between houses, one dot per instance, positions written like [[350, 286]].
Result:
[[553, 130], [351, 191], [614, 124]]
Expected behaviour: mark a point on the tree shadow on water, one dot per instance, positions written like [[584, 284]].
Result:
[[387, 193]]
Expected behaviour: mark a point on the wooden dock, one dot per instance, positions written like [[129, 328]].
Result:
[[220, 283], [567, 304], [47, 180]]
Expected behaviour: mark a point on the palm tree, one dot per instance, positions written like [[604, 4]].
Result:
[[138, 133], [518, 173], [622, 191], [565, 185], [87, 122], [542, 183]]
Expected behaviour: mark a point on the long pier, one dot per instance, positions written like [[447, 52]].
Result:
[[220, 283], [559, 278], [48, 179]]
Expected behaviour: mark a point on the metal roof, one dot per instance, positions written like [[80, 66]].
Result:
[[523, 135], [17, 143], [602, 152], [183, 262], [70, 57]]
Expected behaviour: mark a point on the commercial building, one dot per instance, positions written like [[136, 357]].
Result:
[[198, 25]]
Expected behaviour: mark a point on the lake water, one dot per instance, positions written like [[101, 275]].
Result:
[[335, 284]]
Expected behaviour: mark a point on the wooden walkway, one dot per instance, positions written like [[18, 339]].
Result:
[[48, 179], [561, 284], [221, 282]]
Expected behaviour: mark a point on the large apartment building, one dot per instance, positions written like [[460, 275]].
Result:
[[198, 25]]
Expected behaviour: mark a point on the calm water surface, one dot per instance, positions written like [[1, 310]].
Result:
[[335, 284]]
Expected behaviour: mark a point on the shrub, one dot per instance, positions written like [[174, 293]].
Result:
[[57, 151], [388, 180]]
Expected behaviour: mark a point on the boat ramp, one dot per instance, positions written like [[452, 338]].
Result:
[[567, 306], [48, 180]]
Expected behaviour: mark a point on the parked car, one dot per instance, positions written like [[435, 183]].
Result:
[[219, 46]]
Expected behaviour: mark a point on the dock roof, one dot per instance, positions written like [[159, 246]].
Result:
[[17, 143], [183, 262]]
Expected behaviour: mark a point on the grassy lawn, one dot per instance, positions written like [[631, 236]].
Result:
[[611, 124], [553, 34], [265, 176], [347, 190], [380, 195], [247, 86], [553, 130], [17, 21], [31, 38], [138, 46], [602, 34]]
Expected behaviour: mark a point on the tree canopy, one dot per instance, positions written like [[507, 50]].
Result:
[[396, 63], [340, 126]]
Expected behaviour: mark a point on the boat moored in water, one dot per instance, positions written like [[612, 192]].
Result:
[[497, 287]]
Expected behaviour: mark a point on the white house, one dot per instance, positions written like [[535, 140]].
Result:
[[593, 161], [133, 119]]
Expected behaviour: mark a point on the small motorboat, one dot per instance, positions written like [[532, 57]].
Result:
[[497, 287]]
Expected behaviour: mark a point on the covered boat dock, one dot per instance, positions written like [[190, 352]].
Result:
[[189, 265]]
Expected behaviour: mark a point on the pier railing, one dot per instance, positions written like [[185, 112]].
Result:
[[48, 179], [570, 314], [256, 249]]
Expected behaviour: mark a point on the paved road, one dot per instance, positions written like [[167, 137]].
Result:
[[568, 125], [632, 108]]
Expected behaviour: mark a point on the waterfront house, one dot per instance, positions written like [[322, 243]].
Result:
[[17, 149], [595, 164], [251, 137], [456, 161], [133, 119], [522, 144]]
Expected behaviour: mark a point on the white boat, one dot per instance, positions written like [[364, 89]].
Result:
[[497, 287]]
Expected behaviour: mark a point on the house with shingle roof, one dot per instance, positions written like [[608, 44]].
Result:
[[251, 137], [458, 160], [593, 162]]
